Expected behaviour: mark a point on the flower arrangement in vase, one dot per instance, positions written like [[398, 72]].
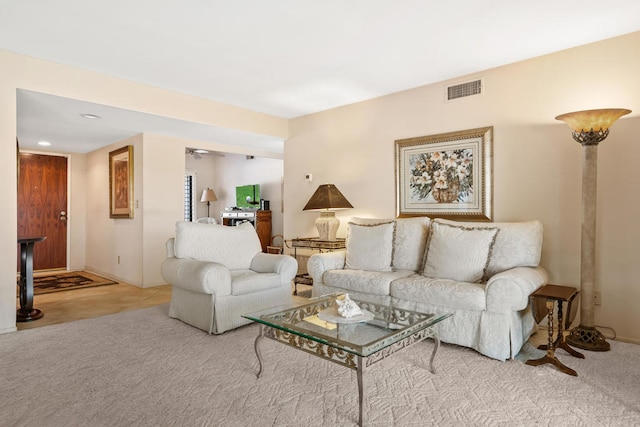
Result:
[[445, 175]]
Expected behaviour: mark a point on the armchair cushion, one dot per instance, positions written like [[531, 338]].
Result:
[[235, 246]]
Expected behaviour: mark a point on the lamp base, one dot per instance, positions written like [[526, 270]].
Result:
[[588, 338], [327, 225]]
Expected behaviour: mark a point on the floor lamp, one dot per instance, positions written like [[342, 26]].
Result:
[[208, 196], [589, 128]]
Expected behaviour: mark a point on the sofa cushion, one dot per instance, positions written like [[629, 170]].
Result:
[[409, 240], [458, 252], [371, 282], [518, 244], [441, 292], [370, 247], [233, 247]]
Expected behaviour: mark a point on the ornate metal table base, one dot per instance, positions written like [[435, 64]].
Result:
[[344, 358]]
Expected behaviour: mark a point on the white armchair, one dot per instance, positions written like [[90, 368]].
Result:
[[218, 273]]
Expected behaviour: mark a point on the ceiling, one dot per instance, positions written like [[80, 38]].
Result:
[[282, 57]]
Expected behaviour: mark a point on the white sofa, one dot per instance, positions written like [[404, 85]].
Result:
[[218, 273], [483, 273]]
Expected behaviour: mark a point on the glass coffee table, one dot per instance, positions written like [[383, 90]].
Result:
[[354, 345]]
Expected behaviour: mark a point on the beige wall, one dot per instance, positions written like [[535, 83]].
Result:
[[537, 170], [139, 257]]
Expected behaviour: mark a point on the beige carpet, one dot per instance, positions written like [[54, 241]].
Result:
[[141, 368]]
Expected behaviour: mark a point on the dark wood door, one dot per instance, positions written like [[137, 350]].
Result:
[[42, 208]]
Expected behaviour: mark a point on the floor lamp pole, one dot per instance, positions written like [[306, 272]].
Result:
[[589, 128]]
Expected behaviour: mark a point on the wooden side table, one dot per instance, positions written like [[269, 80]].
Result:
[[551, 294]]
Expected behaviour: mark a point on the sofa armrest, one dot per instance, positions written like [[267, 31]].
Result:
[[197, 276], [284, 265], [319, 263], [510, 289]]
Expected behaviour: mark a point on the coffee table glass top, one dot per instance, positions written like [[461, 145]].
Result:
[[388, 326]]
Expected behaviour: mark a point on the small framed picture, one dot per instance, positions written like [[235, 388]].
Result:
[[121, 183]]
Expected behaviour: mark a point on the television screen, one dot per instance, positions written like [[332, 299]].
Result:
[[248, 196]]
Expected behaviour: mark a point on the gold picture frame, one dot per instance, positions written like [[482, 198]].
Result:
[[121, 183], [448, 175]]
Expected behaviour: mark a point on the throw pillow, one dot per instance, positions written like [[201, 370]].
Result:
[[457, 252], [370, 247], [408, 242]]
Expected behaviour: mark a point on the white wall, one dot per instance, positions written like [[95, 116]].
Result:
[[537, 170], [205, 178]]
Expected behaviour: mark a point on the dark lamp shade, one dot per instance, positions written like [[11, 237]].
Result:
[[327, 196], [208, 196]]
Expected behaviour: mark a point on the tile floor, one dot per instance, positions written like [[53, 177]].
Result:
[[67, 306]]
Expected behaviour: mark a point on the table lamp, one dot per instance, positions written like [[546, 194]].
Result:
[[327, 199]]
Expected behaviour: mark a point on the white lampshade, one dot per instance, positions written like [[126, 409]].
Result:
[[208, 196]]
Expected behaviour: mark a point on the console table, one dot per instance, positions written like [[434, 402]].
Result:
[[26, 312], [313, 243]]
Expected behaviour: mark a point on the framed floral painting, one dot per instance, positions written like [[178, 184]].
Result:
[[447, 175]]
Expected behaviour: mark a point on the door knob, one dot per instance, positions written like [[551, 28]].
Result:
[[63, 216]]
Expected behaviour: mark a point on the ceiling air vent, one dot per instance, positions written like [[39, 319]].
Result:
[[464, 89]]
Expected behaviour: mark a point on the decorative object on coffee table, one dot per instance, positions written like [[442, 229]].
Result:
[[550, 294], [327, 199], [589, 128]]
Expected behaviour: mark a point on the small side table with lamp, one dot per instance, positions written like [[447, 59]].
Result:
[[326, 199]]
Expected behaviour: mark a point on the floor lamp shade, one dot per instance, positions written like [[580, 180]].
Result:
[[326, 199], [589, 128], [208, 196]]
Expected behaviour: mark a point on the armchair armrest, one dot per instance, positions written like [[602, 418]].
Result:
[[319, 263], [284, 265], [510, 289], [197, 276], [170, 245]]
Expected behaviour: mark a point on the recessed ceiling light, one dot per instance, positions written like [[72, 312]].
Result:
[[44, 143], [89, 116]]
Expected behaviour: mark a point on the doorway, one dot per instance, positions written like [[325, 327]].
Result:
[[42, 208]]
